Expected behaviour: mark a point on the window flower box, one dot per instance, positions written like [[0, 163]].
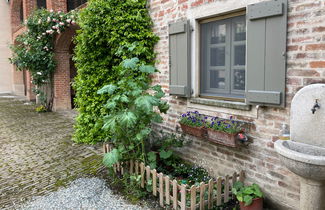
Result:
[[194, 131], [220, 137]]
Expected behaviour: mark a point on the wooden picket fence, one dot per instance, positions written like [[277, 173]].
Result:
[[214, 193]]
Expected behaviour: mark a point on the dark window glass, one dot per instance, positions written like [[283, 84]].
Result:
[[72, 4], [223, 57], [41, 4], [21, 12]]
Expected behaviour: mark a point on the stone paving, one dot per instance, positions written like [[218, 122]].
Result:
[[37, 155]]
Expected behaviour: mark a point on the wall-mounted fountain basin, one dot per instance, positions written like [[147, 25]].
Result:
[[305, 160]]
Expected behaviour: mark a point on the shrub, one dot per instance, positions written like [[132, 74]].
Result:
[[106, 25]]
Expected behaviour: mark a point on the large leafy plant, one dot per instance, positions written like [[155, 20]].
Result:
[[34, 49], [106, 25], [132, 106], [246, 194]]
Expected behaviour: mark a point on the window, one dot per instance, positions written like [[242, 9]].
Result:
[[72, 4], [41, 4], [223, 57]]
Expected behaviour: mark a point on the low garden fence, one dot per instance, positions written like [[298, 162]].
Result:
[[180, 196]]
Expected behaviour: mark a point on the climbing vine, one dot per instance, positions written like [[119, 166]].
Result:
[[34, 49], [106, 25]]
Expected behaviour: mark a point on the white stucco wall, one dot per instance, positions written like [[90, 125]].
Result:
[[6, 81]]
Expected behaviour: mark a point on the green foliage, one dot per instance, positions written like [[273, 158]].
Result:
[[131, 109], [34, 49], [246, 194], [40, 109], [111, 31]]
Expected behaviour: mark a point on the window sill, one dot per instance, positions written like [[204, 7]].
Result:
[[220, 103]]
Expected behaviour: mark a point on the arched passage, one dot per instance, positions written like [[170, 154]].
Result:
[[65, 70]]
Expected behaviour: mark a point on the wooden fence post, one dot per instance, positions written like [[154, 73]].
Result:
[[219, 188], [161, 189], [193, 197], [175, 199], [226, 196], [183, 197], [167, 184], [210, 193], [142, 174], [202, 190], [154, 182]]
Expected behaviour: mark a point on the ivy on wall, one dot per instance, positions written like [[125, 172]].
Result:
[[106, 25], [34, 49]]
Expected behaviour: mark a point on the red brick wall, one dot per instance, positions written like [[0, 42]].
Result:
[[305, 65]]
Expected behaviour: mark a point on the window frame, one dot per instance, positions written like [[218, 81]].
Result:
[[198, 54]]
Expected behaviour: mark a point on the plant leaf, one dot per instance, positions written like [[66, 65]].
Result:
[[130, 63], [110, 123], [127, 118], [248, 200], [146, 102], [147, 69], [165, 154], [107, 89], [111, 158], [143, 134]]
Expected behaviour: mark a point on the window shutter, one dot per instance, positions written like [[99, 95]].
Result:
[[266, 50], [179, 59]]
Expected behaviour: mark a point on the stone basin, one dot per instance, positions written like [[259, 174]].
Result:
[[305, 160]]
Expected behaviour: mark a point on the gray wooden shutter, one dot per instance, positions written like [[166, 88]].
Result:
[[266, 50], [179, 59]]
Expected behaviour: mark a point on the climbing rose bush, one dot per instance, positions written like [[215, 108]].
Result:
[[34, 49]]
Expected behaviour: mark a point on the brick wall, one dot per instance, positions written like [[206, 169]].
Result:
[[305, 65]]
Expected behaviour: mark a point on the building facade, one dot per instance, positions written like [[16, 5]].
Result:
[[6, 80], [222, 58], [231, 58]]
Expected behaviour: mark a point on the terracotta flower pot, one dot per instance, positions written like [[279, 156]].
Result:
[[256, 205], [194, 131], [220, 137]]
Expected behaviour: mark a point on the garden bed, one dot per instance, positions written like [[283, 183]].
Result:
[[214, 193]]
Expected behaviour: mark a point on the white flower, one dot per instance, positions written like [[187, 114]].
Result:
[[39, 73], [39, 21], [51, 10], [68, 20], [48, 19], [61, 23], [73, 22], [43, 34]]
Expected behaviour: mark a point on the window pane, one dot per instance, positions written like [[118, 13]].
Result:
[[239, 79], [240, 31], [217, 56], [217, 79], [218, 33], [240, 55]]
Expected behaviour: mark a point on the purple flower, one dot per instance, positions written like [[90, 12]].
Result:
[[196, 112], [205, 117], [231, 117], [219, 123], [233, 122], [228, 126], [183, 115]]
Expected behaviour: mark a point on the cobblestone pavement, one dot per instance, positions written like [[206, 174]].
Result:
[[37, 155]]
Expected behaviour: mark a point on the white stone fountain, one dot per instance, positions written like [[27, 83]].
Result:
[[304, 154]]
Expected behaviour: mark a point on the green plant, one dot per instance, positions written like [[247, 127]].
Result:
[[160, 151], [225, 125], [193, 119], [246, 194], [40, 109], [111, 31], [34, 49], [132, 107]]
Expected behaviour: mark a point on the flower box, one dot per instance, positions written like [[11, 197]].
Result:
[[194, 131], [220, 137]]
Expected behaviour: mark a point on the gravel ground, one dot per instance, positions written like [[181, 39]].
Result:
[[83, 193]]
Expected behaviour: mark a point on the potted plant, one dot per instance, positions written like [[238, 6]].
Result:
[[249, 197], [223, 131], [193, 123]]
